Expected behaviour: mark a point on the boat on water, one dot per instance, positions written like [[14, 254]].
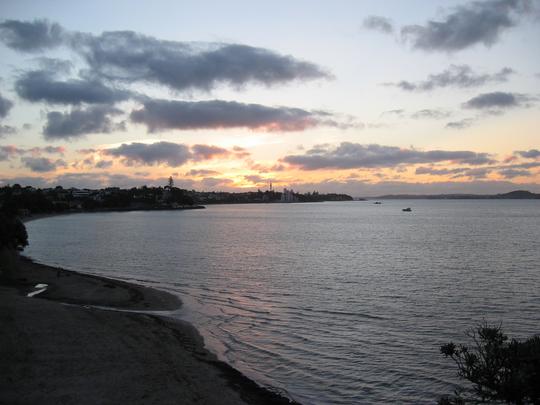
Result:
[[377, 202], [406, 210]]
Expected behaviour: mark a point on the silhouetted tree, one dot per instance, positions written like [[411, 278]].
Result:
[[13, 234], [499, 369]]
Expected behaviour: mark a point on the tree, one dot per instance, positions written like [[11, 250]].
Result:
[[499, 369], [13, 234]]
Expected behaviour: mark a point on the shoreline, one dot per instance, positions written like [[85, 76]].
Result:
[[33, 217], [59, 346]]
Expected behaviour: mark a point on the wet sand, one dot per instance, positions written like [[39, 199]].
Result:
[[56, 348]]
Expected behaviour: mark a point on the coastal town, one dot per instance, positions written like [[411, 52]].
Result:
[[30, 200]]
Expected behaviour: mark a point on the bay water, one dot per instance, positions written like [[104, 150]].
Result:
[[328, 303]]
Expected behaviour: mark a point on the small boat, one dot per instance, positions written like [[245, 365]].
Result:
[[377, 202], [406, 210]]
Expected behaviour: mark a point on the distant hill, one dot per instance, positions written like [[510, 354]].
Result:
[[513, 195]]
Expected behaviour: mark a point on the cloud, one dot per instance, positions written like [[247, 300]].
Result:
[[5, 106], [94, 180], [505, 170], [55, 65], [79, 122], [130, 56], [206, 152], [497, 100], [6, 130], [359, 188], [511, 173], [202, 172], [477, 22], [430, 114], [104, 164], [476, 172], [353, 155], [461, 124], [256, 179], [40, 164], [212, 182], [529, 154], [86, 151], [378, 23], [11, 150], [7, 151], [171, 154], [459, 76], [240, 152], [37, 35], [52, 150], [40, 85], [127, 55], [159, 115], [396, 112]]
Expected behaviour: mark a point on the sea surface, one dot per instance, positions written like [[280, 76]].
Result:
[[329, 303]]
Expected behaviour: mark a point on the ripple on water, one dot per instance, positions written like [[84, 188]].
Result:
[[333, 303]]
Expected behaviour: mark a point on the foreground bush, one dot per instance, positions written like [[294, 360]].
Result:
[[499, 369]]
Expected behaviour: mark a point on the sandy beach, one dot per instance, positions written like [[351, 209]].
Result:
[[57, 348]]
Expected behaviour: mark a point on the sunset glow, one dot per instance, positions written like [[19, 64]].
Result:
[[363, 99]]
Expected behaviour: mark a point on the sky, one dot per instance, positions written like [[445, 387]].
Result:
[[357, 97]]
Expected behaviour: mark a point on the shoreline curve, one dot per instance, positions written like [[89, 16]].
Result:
[[60, 347]]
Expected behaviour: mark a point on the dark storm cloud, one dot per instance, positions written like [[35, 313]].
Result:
[[40, 85], [378, 23], [33, 36], [459, 76], [431, 114], [477, 22], [497, 100], [127, 55], [352, 155], [79, 122], [5, 106], [529, 154], [159, 115], [169, 153], [41, 164]]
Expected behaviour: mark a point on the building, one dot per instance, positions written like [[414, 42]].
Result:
[[287, 196]]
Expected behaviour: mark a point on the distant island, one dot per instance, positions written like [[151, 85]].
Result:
[[513, 195], [26, 201]]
